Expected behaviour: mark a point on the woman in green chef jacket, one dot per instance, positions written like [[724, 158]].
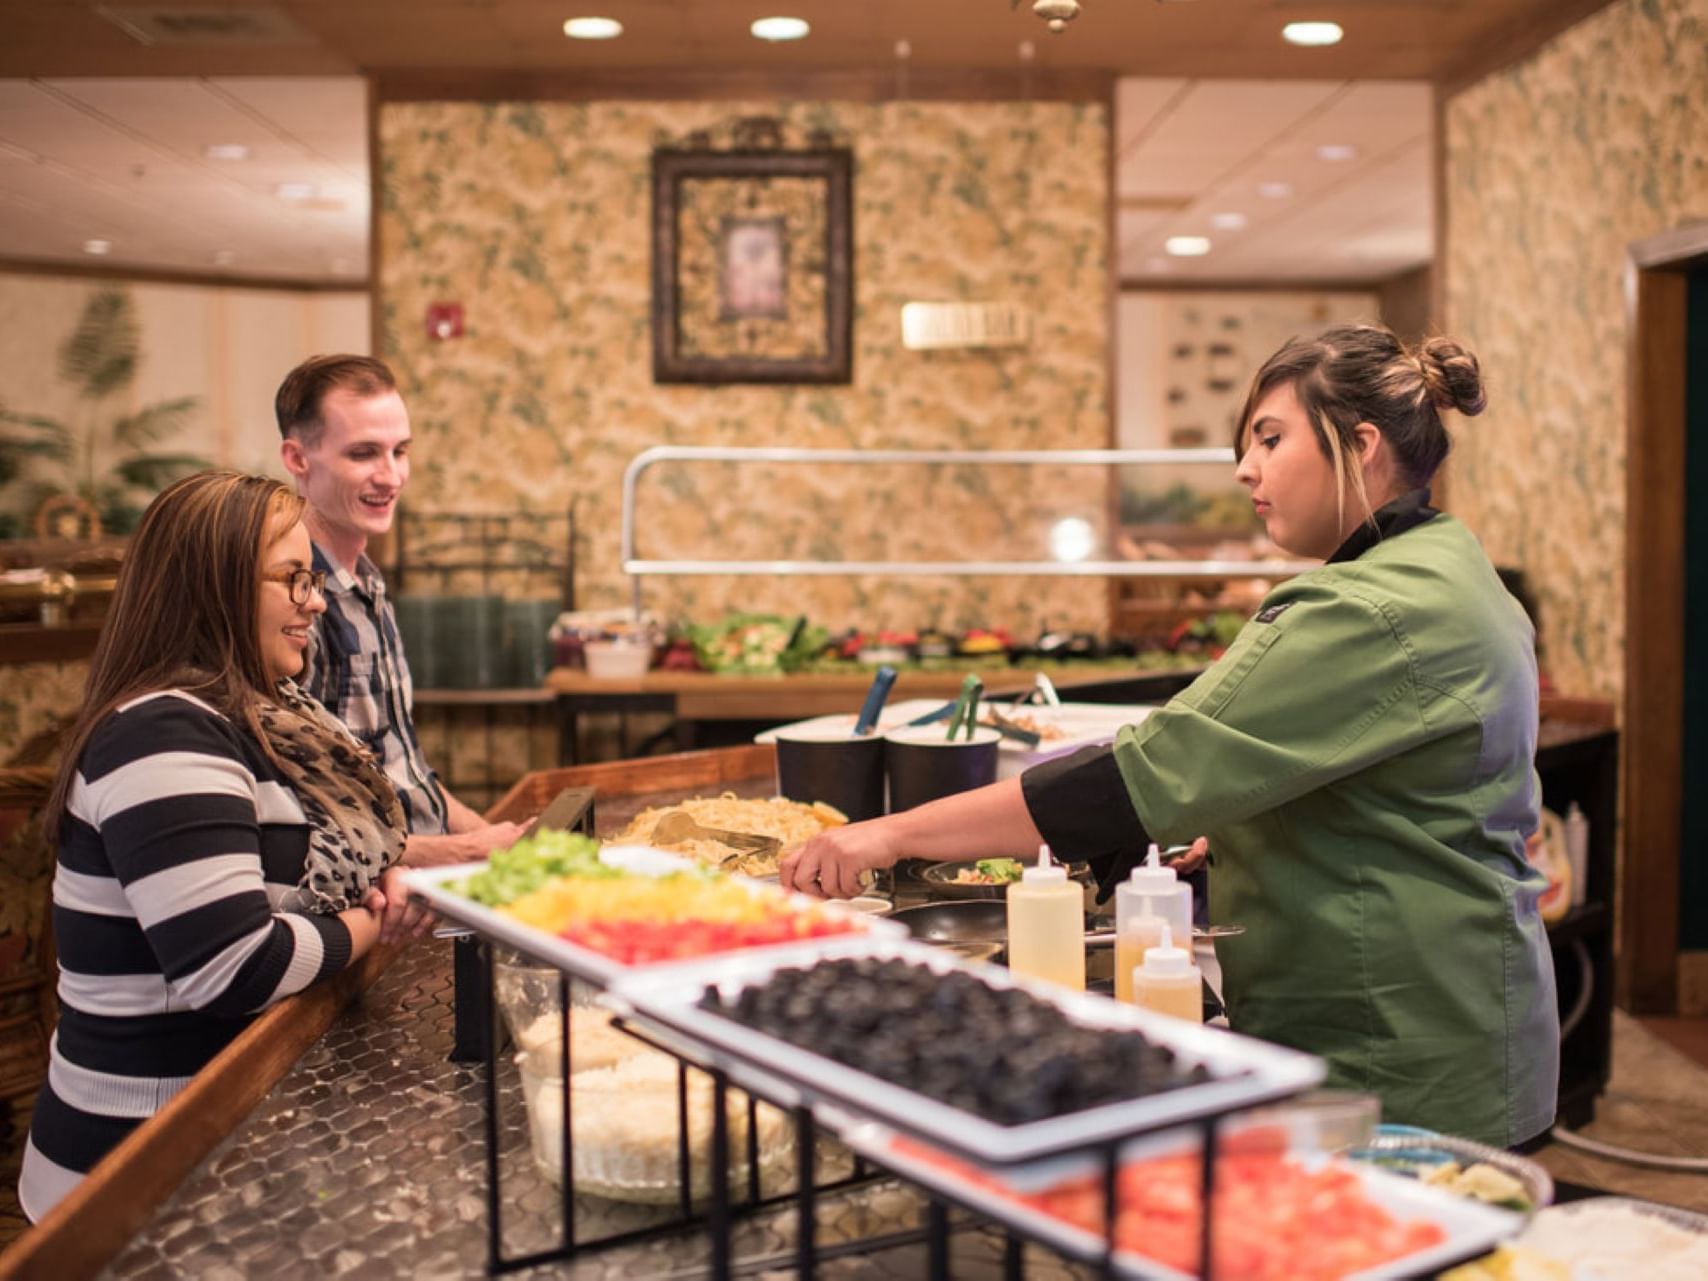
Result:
[[1361, 760]]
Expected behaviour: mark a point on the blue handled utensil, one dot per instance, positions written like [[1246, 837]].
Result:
[[882, 684], [942, 713]]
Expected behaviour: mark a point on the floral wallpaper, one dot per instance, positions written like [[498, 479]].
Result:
[[536, 218], [1553, 167]]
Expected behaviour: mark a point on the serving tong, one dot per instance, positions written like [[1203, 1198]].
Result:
[[679, 825]]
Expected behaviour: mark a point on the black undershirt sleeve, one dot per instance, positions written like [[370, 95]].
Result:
[[1081, 805]]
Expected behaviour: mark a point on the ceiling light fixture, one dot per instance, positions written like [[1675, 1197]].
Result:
[[295, 191], [1274, 190], [226, 151], [100, 248], [1187, 246], [1057, 13], [1337, 151], [775, 29], [1227, 221], [592, 28], [1312, 35]]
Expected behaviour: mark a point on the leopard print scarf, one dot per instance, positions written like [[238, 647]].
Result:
[[356, 824]]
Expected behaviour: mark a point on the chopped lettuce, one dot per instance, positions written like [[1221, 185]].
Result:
[[1000, 870], [533, 861]]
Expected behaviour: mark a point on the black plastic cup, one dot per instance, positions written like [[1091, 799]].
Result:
[[923, 765], [831, 765]]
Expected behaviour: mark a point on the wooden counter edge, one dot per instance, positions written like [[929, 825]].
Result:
[[84, 1232]]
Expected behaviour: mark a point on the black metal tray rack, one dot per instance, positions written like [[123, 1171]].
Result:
[[721, 1210]]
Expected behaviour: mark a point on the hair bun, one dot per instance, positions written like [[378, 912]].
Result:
[[1452, 375]]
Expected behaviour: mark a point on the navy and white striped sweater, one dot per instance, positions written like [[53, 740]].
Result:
[[179, 841]]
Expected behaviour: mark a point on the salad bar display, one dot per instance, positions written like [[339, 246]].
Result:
[[1000, 1094]]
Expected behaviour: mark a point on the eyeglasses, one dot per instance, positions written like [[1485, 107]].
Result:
[[302, 583]]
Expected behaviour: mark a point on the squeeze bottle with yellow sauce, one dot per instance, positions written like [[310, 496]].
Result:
[[1046, 924], [1168, 982], [1154, 896]]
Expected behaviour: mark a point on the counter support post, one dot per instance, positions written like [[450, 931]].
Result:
[[1111, 1204], [566, 1184], [754, 1191], [937, 1240], [494, 1229], [1207, 1202], [806, 1187], [684, 1165], [719, 1172]]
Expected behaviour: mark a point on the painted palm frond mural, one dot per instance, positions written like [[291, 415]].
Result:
[[102, 451]]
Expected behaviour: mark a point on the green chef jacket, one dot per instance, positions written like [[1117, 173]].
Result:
[[1362, 760]]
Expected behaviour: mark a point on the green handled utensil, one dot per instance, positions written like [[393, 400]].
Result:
[[966, 707]]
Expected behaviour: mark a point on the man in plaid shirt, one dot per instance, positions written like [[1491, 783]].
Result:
[[346, 441]]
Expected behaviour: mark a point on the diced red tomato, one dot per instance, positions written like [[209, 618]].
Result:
[[1274, 1220]]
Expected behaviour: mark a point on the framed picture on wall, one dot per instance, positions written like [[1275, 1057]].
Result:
[[752, 266]]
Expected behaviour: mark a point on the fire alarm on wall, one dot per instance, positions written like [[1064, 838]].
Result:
[[444, 320]]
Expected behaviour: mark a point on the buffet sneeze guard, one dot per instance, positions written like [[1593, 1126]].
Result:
[[638, 567]]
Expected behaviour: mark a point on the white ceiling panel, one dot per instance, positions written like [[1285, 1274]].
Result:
[[1358, 219], [326, 114], [1138, 105], [1211, 128], [124, 160]]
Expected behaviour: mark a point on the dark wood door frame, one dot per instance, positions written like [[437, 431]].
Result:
[[1656, 297]]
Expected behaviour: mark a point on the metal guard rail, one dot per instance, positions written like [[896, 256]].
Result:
[[637, 567]]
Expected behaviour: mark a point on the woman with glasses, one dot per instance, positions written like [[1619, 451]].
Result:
[[222, 842]]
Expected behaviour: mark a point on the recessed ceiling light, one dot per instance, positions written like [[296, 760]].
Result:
[[1227, 221], [295, 191], [226, 151], [1274, 190], [1335, 151], [100, 248], [1187, 246], [592, 28], [225, 257], [780, 28], [1312, 34]]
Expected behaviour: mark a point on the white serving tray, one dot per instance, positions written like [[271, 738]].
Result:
[[766, 1064], [1471, 1227], [434, 885], [1084, 724]]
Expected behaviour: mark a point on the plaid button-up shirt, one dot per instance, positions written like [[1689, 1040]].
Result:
[[356, 667]]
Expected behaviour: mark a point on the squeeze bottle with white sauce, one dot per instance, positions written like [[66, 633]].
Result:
[[1577, 852], [1154, 896], [1046, 924], [1168, 982]]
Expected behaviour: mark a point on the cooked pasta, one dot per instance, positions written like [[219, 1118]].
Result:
[[789, 821]]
